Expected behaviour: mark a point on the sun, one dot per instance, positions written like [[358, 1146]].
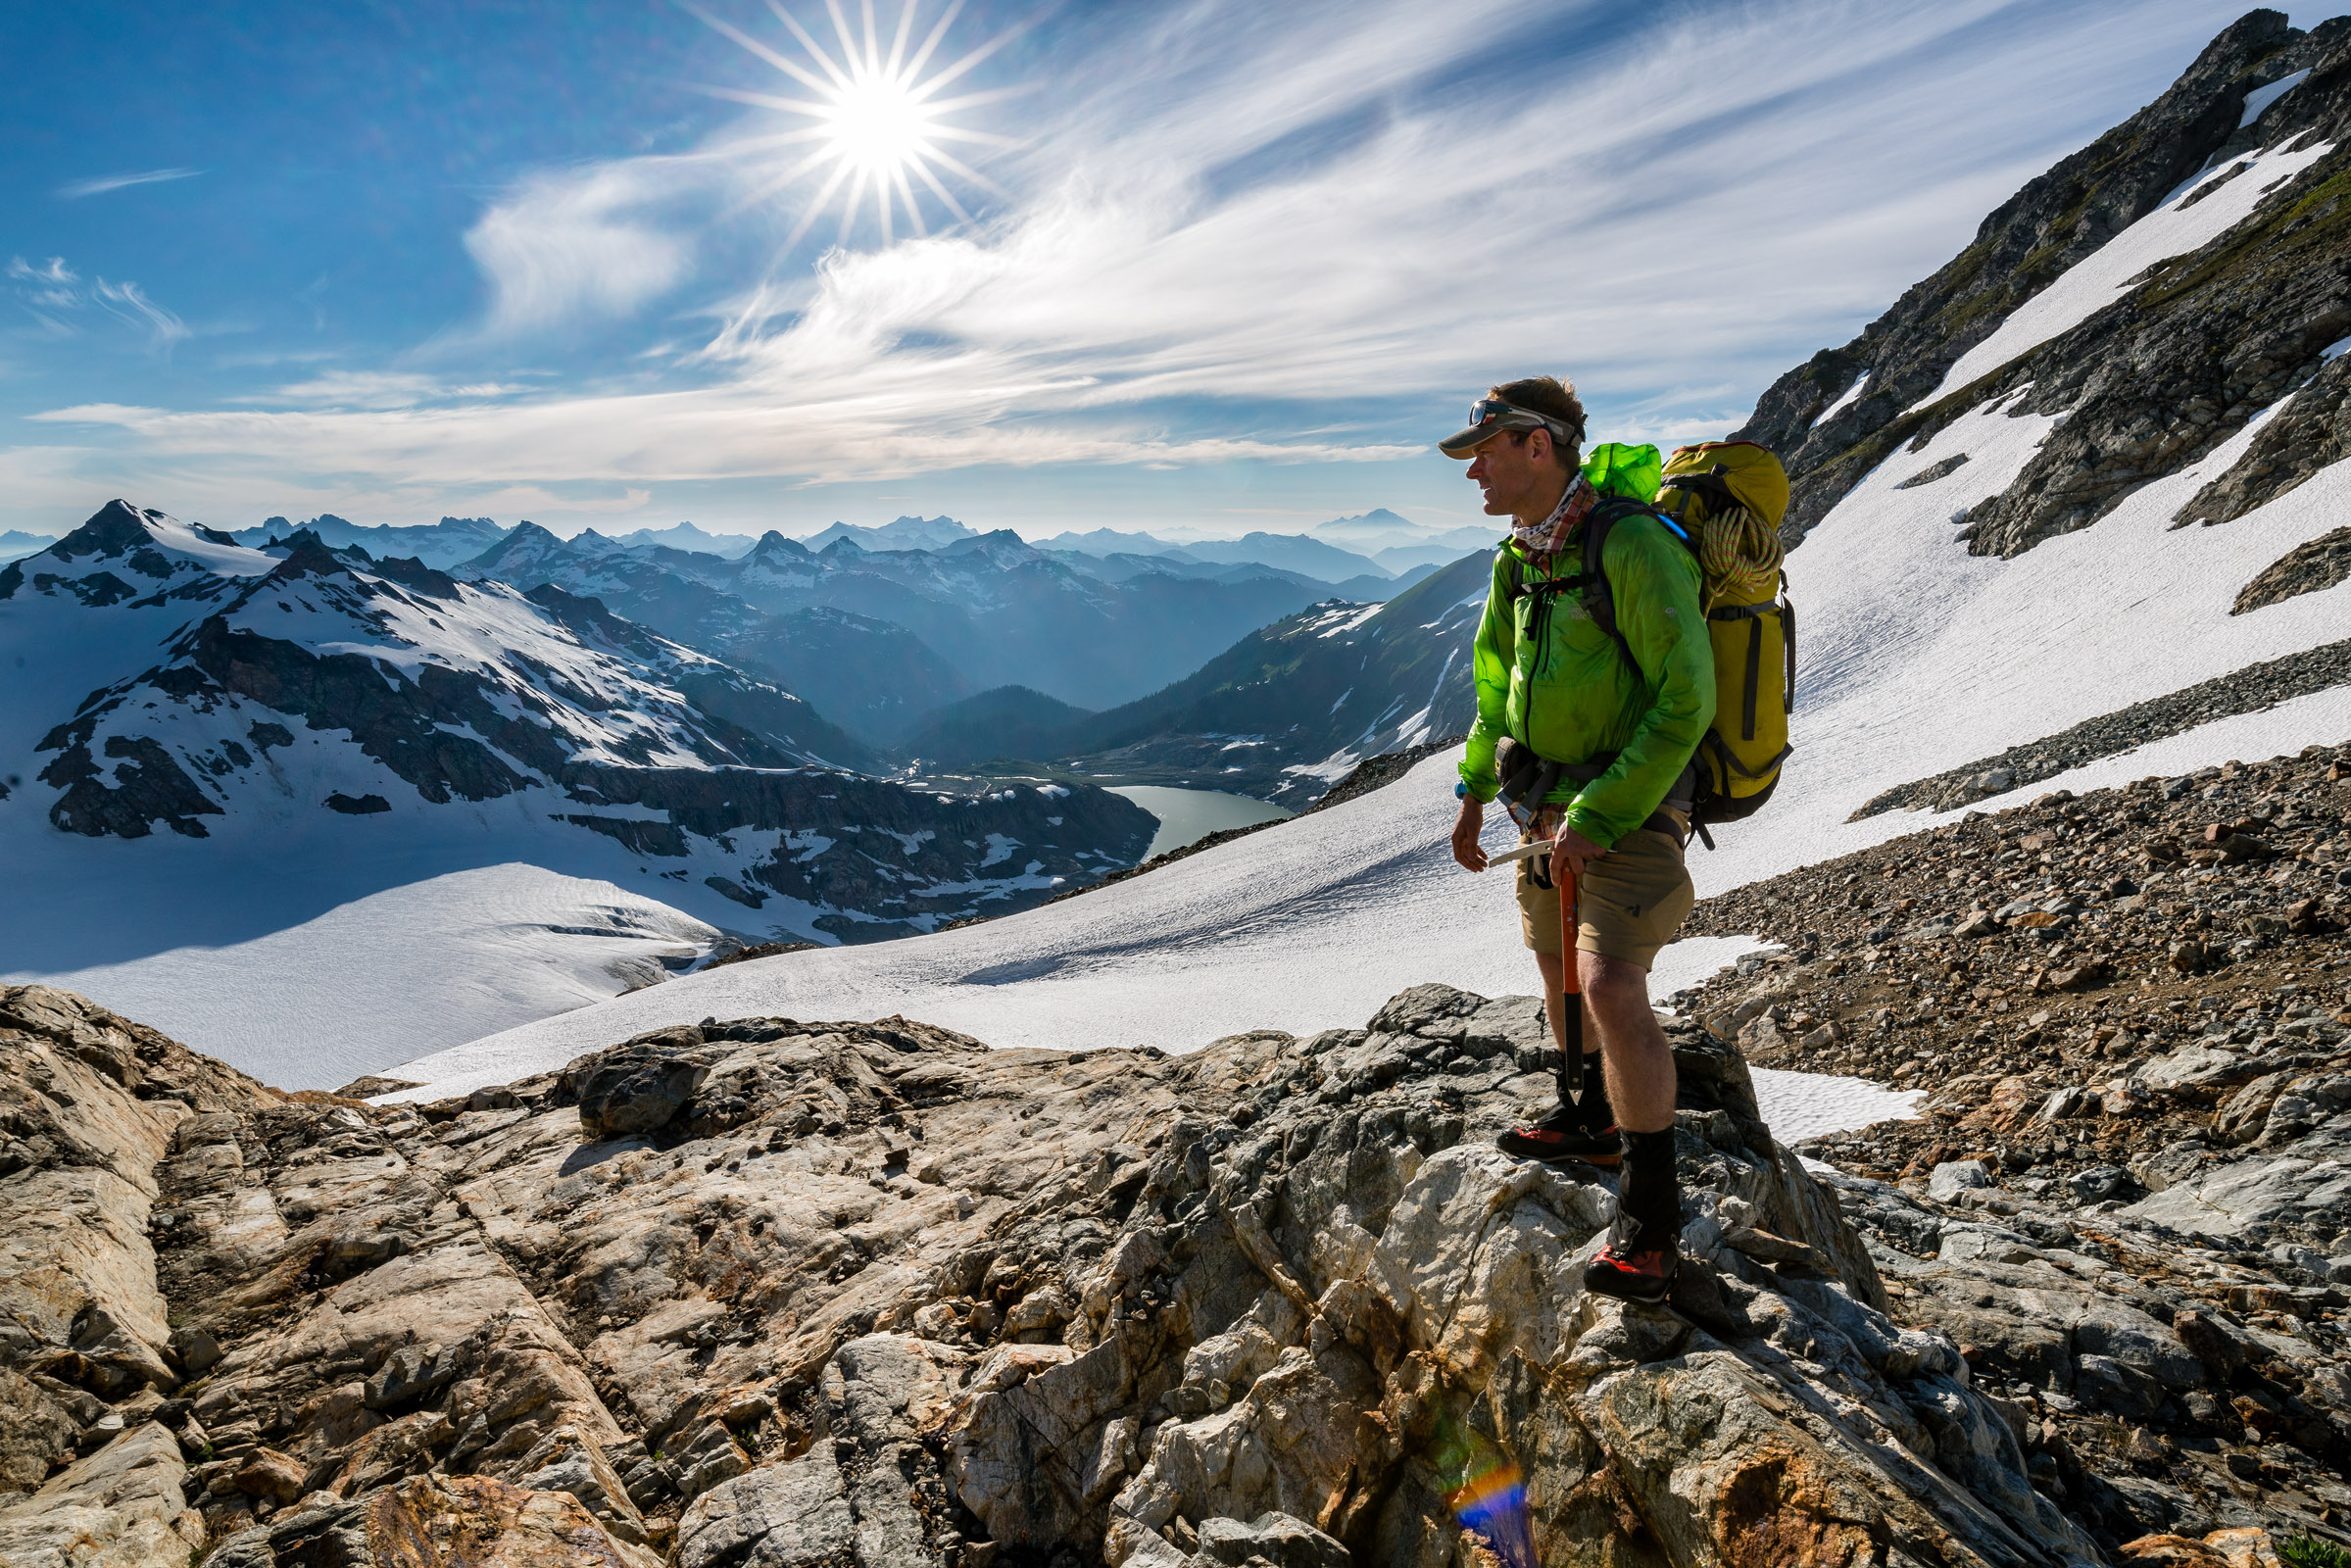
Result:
[[878, 120]]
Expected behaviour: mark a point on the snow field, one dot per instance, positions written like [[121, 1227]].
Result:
[[1310, 925], [320, 1002]]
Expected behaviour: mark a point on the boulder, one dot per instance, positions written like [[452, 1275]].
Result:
[[124, 1506], [1271, 1538], [1953, 1177], [641, 1086]]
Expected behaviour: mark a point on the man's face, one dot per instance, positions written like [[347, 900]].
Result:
[[1513, 468]]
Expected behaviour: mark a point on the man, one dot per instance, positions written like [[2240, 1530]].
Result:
[[1551, 679]]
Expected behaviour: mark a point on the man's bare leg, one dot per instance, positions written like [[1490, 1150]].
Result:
[[1639, 1261], [1639, 1063]]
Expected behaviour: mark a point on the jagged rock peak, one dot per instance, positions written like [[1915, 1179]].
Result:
[[112, 529], [307, 555]]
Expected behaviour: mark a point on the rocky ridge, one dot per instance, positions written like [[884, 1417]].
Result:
[[2196, 350], [2131, 1013], [779, 1292]]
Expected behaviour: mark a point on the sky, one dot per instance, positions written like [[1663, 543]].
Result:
[[1197, 265]]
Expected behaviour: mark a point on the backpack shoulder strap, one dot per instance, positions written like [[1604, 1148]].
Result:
[[1600, 599]]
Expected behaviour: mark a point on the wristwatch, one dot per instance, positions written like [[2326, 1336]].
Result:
[[1462, 789]]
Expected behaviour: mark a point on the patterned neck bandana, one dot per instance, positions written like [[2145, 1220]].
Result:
[[1547, 537]]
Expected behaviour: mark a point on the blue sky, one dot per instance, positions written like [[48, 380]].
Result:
[[1224, 265]]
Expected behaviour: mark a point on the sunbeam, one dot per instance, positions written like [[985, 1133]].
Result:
[[877, 120]]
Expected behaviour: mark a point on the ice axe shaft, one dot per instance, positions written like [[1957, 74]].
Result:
[[1571, 1016]]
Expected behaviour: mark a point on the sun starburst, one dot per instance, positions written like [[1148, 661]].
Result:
[[878, 119]]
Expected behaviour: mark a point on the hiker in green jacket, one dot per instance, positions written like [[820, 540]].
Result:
[[1551, 682]]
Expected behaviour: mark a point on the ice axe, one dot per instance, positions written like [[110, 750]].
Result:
[[1571, 1019]]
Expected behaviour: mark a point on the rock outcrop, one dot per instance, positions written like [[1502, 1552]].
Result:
[[782, 1293]]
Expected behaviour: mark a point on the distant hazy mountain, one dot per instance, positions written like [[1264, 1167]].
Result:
[[1292, 552], [1397, 543], [1111, 542], [438, 544], [872, 675], [13, 544], [1443, 552], [1370, 587], [1371, 530], [1008, 721], [685, 536], [900, 533], [1289, 710]]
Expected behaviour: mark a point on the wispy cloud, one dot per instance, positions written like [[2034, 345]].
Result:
[[1234, 221], [57, 299], [106, 182], [383, 389], [588, 241]]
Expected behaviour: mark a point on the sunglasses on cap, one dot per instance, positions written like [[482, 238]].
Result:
[[1489, 415], [1494, 411]]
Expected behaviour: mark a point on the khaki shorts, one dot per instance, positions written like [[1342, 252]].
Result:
[[1629, 902]]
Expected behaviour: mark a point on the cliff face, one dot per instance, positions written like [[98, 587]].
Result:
[[782, 1293], [2240, 294]]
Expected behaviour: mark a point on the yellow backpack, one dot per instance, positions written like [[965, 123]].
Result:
[[1728, 497], [1724, 500]]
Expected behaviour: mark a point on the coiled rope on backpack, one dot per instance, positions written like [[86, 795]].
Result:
[[1741, 555]]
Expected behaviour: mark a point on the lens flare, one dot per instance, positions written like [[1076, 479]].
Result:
[[1487, 1493], [878, 119]]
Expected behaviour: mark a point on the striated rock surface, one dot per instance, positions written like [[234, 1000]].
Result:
[[768, 1292]]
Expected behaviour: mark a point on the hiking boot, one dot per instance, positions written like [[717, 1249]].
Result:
[[1641, 1275], [1559, 1139]]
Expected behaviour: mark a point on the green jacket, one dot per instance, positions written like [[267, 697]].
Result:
[[1576, 699]]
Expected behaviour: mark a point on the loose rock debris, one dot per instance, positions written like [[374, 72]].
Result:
[[2127, 1011]]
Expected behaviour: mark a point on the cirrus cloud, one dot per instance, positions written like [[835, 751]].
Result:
[[1235, 222]]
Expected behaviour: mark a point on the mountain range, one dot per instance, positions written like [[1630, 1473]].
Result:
[[167, 677], [1281, 715], [878, 638], [439, 543], [879, 627]]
